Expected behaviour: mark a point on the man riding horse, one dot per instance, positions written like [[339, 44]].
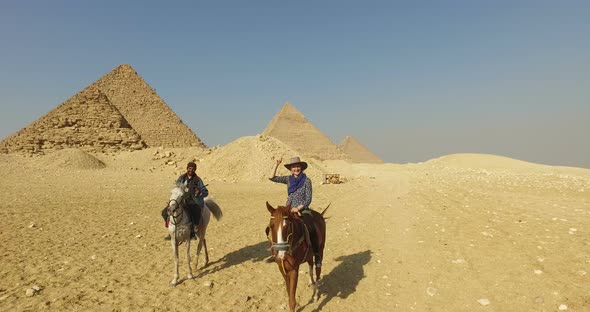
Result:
[[299, 193], [193, 185]]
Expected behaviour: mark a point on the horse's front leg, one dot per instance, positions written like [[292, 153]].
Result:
[[293, 276], [188, 259], [175, 254]]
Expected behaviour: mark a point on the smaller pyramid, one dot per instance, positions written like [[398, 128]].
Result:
[[292, 128], [87, 121], [358, 152]]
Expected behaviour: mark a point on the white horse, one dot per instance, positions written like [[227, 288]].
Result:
[[179, 226]]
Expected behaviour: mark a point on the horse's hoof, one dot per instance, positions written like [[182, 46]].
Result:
[[173, 284]]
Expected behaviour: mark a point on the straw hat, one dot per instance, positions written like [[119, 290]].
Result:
[[296, 160]]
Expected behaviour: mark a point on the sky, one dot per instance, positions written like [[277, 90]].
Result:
[[410, 80]]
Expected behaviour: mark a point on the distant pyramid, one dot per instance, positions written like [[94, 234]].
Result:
[[87, 121], [119, 111], [358, 152], [291, 127]]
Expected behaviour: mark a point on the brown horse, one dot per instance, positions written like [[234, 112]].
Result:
[[291, 247]]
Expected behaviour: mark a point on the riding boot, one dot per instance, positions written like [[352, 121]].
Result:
[[165, 216]]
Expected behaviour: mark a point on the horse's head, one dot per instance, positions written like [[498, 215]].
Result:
[[177, 195], [281, 228]]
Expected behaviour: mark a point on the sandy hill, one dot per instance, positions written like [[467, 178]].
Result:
[[252, 158], [499, 163], [291, 127], [120, 111], [88, 120], [70, 158], [358, 152]]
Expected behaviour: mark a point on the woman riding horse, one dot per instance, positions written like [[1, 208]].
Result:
[[299, 193]]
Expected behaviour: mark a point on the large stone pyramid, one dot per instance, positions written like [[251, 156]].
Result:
[[358, 152], [87, 121], [120, 111], [145, 111], [292, 128]]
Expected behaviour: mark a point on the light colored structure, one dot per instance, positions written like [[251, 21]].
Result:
[[120, 111], [292, 128], [358, 152]]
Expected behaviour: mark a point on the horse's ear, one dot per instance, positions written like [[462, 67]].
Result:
[[270, 208]]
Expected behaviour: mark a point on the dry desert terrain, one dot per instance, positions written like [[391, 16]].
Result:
[[463, 232]]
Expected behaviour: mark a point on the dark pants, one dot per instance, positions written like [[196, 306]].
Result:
[[195, 213]]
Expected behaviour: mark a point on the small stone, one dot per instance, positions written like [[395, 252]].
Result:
[[138, 236], [484, 301], [378, 261], [208, 284], [538, 272], [562, 307], [284, 306], [36, 288], [32, 225], [131, 223], [30, 292], [93, 257], [431, 291]]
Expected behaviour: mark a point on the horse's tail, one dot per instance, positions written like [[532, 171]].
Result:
[[322, 214], [214, 208]]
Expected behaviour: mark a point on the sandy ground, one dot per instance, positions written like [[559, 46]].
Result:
[[465, 233]]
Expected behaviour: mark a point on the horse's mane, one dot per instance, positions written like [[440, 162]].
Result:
[[280, 212]]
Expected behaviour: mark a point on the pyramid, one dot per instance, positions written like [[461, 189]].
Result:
[[87, 121], [292, 128], [120, 111], [145, 111], [358, 152]]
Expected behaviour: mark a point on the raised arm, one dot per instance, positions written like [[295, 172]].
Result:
[[274, 171]]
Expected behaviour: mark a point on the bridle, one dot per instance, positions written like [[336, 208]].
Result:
[[287, 246], [177, 213]]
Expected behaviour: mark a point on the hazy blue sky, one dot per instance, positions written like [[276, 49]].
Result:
[[411, 80]]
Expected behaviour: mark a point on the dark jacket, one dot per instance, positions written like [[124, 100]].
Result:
[[193, 184]]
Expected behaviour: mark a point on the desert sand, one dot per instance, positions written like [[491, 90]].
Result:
[[463, 232]]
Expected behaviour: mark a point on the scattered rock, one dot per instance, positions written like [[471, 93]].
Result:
[[208, 284], [431, 291], [93, 257], [538, 272], [33, 291], [562, 307], [32, 225], [484, 301], [138, 236]]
